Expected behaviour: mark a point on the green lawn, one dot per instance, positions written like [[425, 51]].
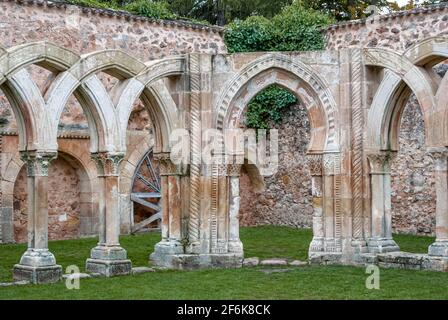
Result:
[[314, 282]]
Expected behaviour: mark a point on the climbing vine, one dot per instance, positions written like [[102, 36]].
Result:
[[268, 105], [295, 28]]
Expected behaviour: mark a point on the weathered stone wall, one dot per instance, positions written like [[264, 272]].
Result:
[[413, 189], [86, 30], [396, 31], [63, 198], [413, 185], [286, 199]]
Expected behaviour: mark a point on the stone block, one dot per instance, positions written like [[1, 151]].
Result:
[[140, 270], [109, 268], [274, 262], [251, 262], [298, 263], [37, 275]]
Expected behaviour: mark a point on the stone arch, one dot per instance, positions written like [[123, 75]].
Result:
[[28, 114], [428, 52], [80, 79], [74, 154], [154, 93], [411, 69], [383, 119], [295, 76]]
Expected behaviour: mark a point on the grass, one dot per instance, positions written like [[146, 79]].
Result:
[[313, 282]]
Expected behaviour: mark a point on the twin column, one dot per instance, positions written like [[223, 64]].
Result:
[[38, 264], [108, 257], [440, 246], [381, 233]]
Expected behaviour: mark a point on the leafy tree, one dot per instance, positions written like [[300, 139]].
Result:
[[347, 9], [295, 28], [152, 9]]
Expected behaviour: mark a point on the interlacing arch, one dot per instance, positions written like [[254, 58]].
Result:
[[406, 73], [294, 75], [107, 113]]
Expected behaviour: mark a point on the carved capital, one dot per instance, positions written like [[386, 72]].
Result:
[[331, 165], [37, 162], [440, 157], [107, 163], [315, 164], [380, 162], [167, 167]]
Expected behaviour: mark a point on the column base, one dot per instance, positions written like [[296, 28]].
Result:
[[235, 247], [317, 244], [359, 246], [439, 249], [37, 275], [109, 261], [382, 245], [198, 261]]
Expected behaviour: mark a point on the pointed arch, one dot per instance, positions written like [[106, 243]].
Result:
[[296, 76]]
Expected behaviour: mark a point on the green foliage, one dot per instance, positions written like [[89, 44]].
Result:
[[150, 9], [253, 34], [295, 28], [268, 105]]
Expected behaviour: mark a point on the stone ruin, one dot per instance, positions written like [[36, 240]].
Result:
[[91, 97]]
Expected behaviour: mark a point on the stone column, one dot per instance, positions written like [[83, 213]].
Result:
[[235, 244], [381, 214], [315, 166], [171, 243], [108, 257], [38, 264], [440, 247]]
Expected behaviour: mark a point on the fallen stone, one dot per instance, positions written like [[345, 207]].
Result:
[[140, 270], [251, 262], [15, 283], [76, 276], [298, 263], [96, 275], [274, 262]]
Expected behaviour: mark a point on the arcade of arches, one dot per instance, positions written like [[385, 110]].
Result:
[[80, 117]]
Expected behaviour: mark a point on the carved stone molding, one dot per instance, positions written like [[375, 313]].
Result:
[[330, 163], [315, 164], [380, 162], [440, 157], [234, 170], [37, 162], [107, 163]]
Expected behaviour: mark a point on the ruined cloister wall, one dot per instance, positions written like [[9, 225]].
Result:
[[287, 195], [85, 30]]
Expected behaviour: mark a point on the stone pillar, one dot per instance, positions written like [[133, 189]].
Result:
[[440, 247], [171, 227], [108, 257], [381, 214], [235, 244], [315, 166], [38, 264]]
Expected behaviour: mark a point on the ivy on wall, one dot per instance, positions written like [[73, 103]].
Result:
[[268, 105], [295, 28]]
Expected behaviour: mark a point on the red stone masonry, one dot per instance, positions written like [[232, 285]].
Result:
[[85, 30], [397, 30]]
